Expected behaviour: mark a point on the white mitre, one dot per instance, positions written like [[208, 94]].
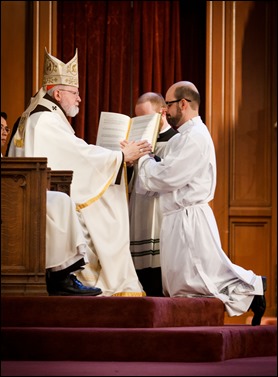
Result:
[[56, 72]]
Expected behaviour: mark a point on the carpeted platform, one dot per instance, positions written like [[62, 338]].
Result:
[[184, 344], [111, 311], [254, 366], [127, 329]]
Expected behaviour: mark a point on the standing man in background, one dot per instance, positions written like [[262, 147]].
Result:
[[98, 187], [144, 212], [192, 260]]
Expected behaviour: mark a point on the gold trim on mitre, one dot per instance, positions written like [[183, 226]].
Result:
[[56, 72]]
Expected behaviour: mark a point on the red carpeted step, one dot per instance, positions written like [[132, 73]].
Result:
[[179, 344], [135, 312]]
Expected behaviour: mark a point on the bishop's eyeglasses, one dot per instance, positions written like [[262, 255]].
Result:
[[76, 94]]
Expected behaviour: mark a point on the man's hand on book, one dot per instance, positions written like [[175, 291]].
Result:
[[133, 150]]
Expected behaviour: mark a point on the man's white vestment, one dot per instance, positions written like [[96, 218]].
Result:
[[192, 260]]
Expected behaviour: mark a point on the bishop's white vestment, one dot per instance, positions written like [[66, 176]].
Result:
[[71, 245], [101, 201]]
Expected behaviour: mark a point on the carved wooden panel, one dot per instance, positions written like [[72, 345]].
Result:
[[250, 167], [241, 111], [249, 234], [23, 225], [61, 180]]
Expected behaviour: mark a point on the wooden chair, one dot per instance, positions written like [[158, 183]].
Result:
[[60, 180], [24, 182]]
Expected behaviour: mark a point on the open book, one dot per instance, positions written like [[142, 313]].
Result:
[[115, 127]]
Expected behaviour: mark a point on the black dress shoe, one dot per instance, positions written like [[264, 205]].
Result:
[[258, 306], [70, 286]]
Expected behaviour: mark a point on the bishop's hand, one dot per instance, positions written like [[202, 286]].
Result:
[[133, 150]]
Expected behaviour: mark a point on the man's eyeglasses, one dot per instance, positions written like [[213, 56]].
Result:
[[3, 128], [70, 91], [176, 100]]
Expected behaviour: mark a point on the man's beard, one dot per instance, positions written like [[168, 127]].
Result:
[[171, 121], [174, 121], [72, 111]]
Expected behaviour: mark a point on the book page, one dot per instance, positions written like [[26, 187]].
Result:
[[145, 127], [112, 129]]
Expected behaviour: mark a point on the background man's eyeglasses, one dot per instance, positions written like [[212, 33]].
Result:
[[176, 100], [70, 91], [5, 129]]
